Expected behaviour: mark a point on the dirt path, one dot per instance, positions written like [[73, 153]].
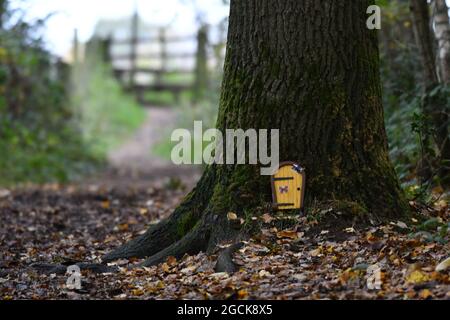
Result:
[[135, 163]]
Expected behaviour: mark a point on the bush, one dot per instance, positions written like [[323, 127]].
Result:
[[39, 138]]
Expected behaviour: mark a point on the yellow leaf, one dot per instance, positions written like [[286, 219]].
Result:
[[417, 277], [242, 294], [137, 292], [106, 205], [165, 267], [123, 227], [316, 252], [443, 266], [425, 294], [232, 216]]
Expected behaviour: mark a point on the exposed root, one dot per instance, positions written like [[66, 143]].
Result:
[[61, 269], [225, 261], [157, 237], [193, 243], [171, 230]]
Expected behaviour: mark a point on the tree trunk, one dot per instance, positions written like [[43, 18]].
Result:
[[442, 31], [201, 65], [3, 4], [433, 107], [310, 69]]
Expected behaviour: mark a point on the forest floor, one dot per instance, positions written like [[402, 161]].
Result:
[[45, 229]]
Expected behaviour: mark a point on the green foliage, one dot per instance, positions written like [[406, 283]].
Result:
[[107, 114], [400, 71], [39, 138], [56, 124], [409, 125]]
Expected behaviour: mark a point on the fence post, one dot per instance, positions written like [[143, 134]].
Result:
[[105, 50], [76, 48], [163, 55], [201, 66], [133, 48]]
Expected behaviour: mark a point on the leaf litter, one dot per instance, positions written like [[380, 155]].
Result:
[[62, 226]]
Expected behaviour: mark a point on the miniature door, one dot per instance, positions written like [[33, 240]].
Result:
[[288, 187]]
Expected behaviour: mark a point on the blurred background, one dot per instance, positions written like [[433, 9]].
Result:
[[88, 85]]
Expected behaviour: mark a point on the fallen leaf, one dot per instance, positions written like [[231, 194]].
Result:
[[171, 261], [264, 273], [232, 216], [123, 227], [417, 277], [188, 270], [137, 292], [106, 204], [402, 225], [242, 294], [289, 234], [165, 267], [300, 277], [425, 294], [443, 266], [4, 193], [267, 218], [316, 252]]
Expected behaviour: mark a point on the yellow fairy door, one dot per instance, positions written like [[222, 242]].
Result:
[[288, 187]]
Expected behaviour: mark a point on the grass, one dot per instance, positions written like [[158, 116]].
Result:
[[167, 98], [108, 115]]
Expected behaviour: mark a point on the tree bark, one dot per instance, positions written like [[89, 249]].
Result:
[[310, 69], [442, 31], [433, 107], [3, 4]]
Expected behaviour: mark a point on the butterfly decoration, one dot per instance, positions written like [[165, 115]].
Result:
[[284, 189], [298, 168]]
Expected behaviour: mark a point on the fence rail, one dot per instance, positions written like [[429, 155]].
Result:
[[144, 72]]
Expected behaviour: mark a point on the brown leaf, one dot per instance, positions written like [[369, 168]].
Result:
[[289, 234], [242, 294], [106, 204], [137, 292], [232, 216], [267, 218], [171, 261], [425, 294]]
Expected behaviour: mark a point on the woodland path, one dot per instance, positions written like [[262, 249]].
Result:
[[134, 162]]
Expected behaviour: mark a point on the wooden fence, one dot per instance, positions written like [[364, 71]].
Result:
[[196, 77]]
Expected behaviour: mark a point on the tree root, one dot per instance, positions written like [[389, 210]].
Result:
[[225, 261], [157, 237], [60, 269], [170, 231], [193, 243]]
